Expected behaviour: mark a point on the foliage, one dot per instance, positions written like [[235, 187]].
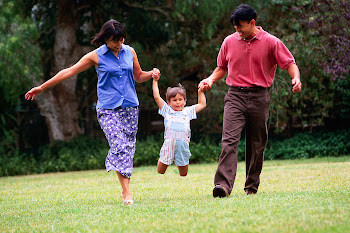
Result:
[[343, 91], [19, 65], [147, 151], [81, 153], [330, 20], [85, 153], [304, 145], [175, 36], [319, 99]]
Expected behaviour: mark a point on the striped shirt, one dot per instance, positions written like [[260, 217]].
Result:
[[177, 123]]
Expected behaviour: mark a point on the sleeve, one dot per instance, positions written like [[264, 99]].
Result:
[[164, 110], [283, 56], [191, 111], [221, 60]]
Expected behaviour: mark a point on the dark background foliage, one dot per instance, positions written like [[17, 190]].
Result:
[[182, 39]]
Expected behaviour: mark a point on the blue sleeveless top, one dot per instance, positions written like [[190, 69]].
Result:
[[116, 83]]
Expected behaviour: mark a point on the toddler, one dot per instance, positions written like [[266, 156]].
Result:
[[177, 126]]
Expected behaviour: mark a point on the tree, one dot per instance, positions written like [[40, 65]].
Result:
[[59, 105], [19, 64], [66, 27]]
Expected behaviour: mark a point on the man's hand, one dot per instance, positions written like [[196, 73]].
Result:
[[205, 84], [296, 85]]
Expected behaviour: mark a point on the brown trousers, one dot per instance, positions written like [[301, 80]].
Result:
[[249, 110]]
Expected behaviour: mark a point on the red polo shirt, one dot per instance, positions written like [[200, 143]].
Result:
[[254, 62]]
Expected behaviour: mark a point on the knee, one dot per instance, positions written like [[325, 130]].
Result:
[[183, 173], [161, 172]]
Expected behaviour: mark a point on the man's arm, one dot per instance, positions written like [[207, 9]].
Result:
[[217, 74], [294, 73]]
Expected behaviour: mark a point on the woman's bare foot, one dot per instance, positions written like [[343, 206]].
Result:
[[127, 198]]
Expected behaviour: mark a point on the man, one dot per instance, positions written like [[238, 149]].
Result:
[[250, 56]]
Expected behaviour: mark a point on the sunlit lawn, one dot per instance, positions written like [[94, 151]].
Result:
[[294, 196]]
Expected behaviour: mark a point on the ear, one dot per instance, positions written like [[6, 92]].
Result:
[[122, 40], [252, 22]]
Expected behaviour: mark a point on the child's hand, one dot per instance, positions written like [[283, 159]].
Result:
[[155, 74], [205, 84]]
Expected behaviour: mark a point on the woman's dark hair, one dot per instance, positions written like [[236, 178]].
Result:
[[243, 12], [171, 92], [110, 28]]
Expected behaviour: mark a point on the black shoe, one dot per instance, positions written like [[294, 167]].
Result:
[[249, 192], [219, 191]]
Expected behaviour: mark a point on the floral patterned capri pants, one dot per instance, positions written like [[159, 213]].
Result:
[[120, 127]]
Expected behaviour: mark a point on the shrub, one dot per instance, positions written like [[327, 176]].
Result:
[[147, 150], [84, 153], [81, 153], [307, 145]]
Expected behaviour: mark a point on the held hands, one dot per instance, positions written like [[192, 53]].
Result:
[[296, 85], [205, 84], [155, 74], [30, 95]]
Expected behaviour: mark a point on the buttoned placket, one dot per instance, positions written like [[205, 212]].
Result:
[[120, 76], [248, 46]]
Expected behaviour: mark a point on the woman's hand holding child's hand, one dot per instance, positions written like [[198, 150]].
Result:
[[155, 74]]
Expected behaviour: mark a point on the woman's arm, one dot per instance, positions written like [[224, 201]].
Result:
[[142, 76], [202, 102], [84, 63], [156, 94]]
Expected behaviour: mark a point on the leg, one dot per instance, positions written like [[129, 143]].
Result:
[[161, 167], [120, 129], [166, 155], [256, 139], [233, 123], [121, 138], [183, 170], [126, 194], [182, 156]]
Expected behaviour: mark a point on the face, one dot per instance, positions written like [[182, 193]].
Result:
[[245, 29], [114, 44], [177, 103]]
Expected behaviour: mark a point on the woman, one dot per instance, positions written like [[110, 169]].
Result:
[[117, 69]]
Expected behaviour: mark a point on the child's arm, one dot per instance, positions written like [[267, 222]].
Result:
[[202, 102], [156, 94]]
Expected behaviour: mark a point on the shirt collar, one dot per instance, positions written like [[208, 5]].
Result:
[[260, 33], [258, 36], [173, 112], [105, 49]]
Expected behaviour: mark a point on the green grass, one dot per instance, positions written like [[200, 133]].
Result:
[[295, 196]]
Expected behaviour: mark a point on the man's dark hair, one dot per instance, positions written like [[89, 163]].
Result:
[[243, 12]]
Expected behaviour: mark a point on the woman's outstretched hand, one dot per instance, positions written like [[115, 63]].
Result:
[[30, 95]]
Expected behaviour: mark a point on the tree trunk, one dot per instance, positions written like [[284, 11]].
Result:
[[58, 104]]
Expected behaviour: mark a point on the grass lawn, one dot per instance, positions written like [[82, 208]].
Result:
[[295, 196]]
